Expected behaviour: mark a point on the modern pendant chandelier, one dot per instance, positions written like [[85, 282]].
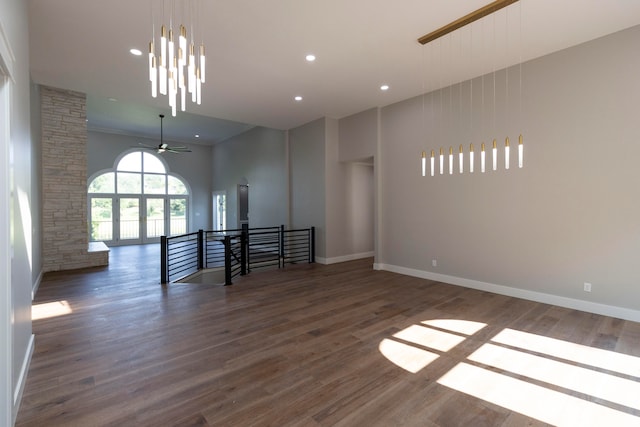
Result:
[[489, 9], [175, 69]]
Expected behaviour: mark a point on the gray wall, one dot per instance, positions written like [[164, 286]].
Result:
[[307, 158], [19, 207], [569, 216], [103, 149], [358, 136], [259, 157]]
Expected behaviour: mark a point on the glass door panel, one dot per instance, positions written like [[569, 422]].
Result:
[[129, 218], [101, 220], [178, 216], [154, 223]]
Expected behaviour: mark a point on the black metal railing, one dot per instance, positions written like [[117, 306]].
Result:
[[180, 256], [237, 251]]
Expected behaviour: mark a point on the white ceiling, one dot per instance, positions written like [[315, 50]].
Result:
[[256, 54]]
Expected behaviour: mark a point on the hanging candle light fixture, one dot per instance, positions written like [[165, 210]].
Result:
[[174, 70]]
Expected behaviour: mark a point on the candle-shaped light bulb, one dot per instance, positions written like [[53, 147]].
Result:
[[424, 163], [520, 152], [450, 160], [471, 158], [182, 43], [154, 77], [433, 160], [441, 161], [171, 47], [461, 159], [495, 155], [506, 153], [163, 46], [482, 158], [152, 67], [202, 64]]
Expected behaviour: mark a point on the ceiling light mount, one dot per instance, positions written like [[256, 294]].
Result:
[[465, 20]]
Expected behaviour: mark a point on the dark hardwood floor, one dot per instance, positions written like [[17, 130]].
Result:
[[315, 345]]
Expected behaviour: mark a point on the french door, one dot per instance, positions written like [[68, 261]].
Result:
[[136, 219]]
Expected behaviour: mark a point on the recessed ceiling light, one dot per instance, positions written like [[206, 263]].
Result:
[[136, 52], [384, 87], [112, 99], [197, 136], [310, 58], [298, 98]]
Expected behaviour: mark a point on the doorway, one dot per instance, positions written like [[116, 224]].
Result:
[[219, 210], [134, 220], [243, 206]]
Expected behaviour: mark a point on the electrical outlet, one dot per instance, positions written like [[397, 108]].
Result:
[[587, 287], [434, 263]]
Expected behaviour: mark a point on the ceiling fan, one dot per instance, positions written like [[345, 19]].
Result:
[[162, 147]]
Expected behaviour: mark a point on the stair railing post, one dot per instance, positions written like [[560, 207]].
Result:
[[200, 249], [227, 260], [243, 253], [163, 259], [281, 238], [312, 246]]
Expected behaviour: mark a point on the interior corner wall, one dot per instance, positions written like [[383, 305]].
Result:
[[64, 181], [36, 183], [337, 219], [569, 216], [259, 156], [307, 180], [18, 219]]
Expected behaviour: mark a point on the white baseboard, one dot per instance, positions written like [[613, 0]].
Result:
[[344, 258], [36, 285], [576, 304], [22, 379]]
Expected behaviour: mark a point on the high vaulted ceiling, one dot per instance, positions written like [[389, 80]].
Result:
[[256, 55]]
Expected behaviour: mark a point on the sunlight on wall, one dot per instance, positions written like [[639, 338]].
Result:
[[25, 214], [50, 309], [554, 381]]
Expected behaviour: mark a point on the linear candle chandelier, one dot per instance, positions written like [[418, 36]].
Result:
[[175, 68], [453, 26]]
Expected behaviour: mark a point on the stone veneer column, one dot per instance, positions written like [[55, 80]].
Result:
[[64, 182]]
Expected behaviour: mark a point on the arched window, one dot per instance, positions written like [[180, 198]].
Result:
[[137, 201]]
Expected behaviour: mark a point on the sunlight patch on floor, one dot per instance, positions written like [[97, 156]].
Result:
[[597, 384], [582, 354], [405, 356], [427, 337], [534, 401], [50, 309], [555, 381]]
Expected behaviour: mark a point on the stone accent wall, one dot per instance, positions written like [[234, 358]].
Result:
[[65, 239]]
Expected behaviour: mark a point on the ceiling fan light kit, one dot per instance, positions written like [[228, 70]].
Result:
[[163, 147]]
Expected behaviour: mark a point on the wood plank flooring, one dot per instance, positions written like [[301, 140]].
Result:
[[315, 345]]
